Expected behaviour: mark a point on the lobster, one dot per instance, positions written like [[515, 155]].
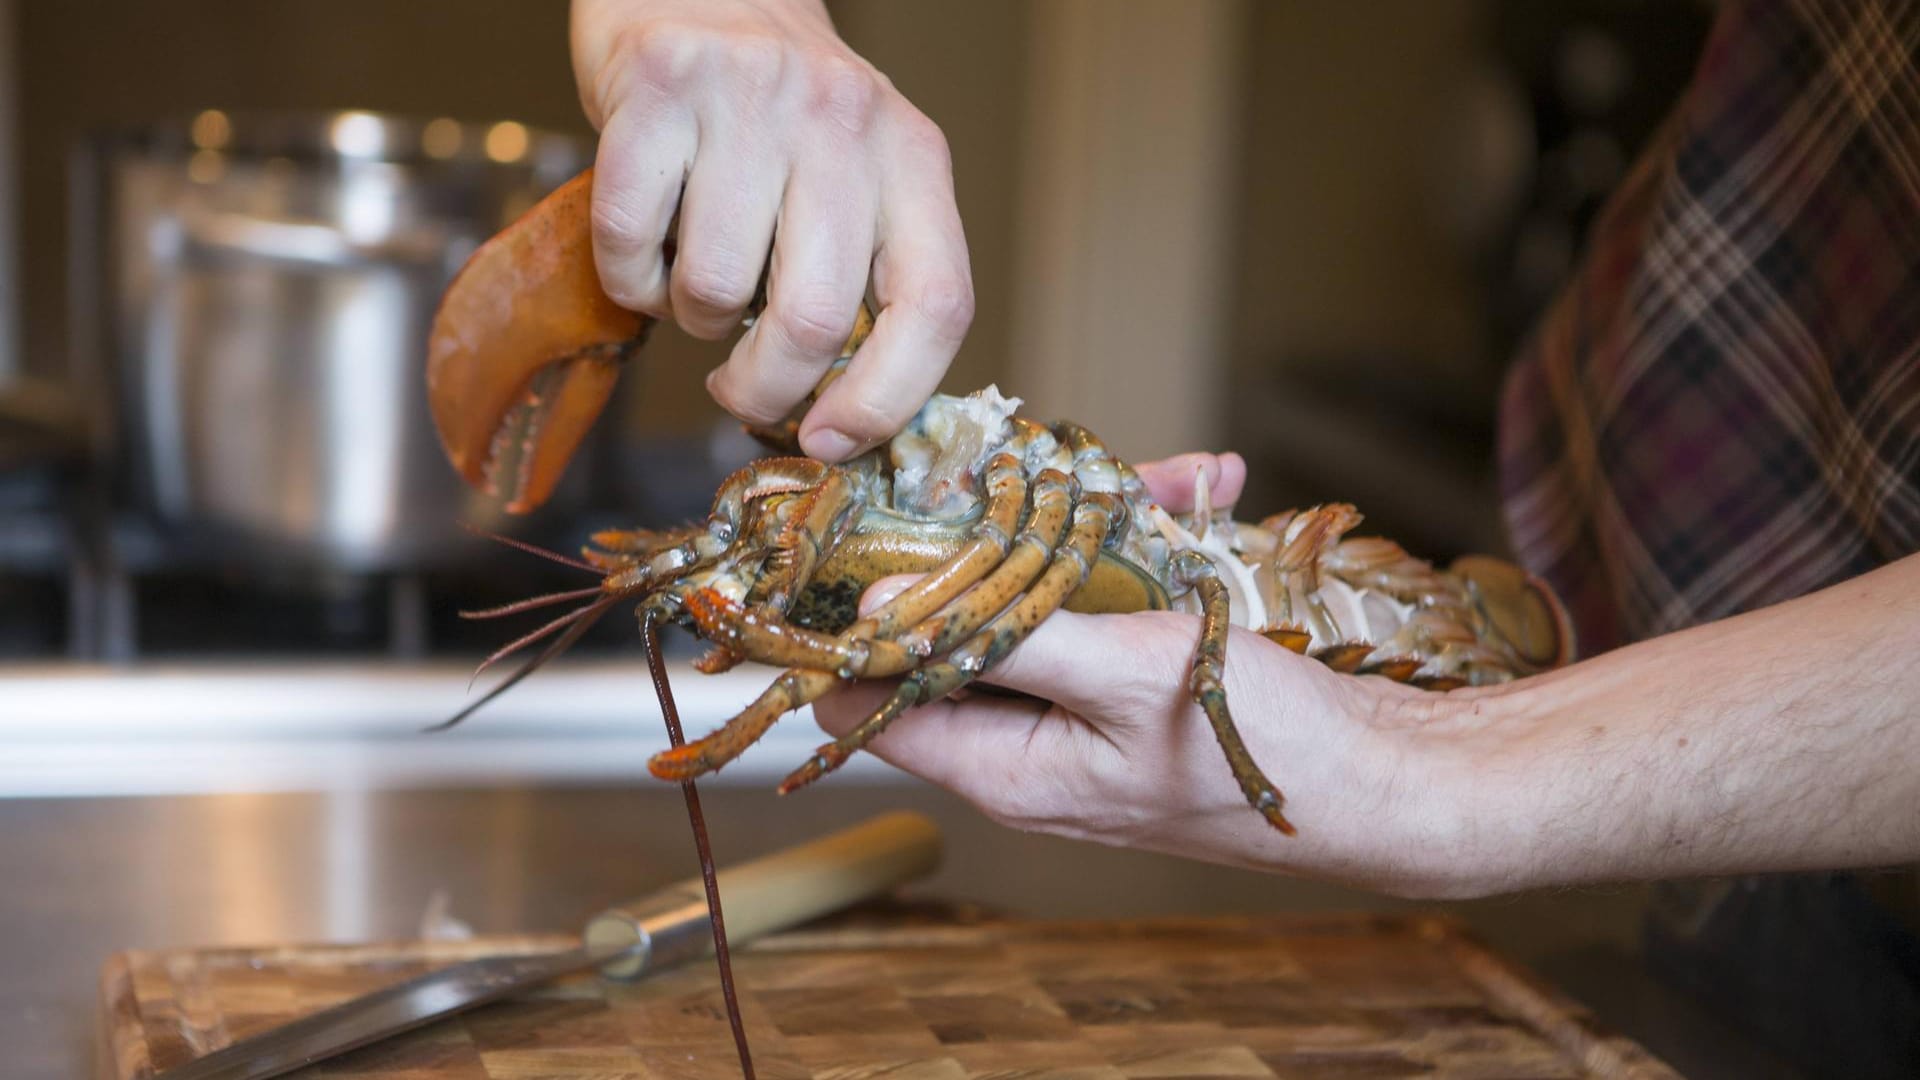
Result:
[[1008, 520]]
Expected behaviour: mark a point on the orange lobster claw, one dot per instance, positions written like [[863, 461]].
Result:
[[525, 350]]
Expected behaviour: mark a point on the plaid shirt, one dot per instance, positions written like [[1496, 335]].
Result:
[[1723, 409]]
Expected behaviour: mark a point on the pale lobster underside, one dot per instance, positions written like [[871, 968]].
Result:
[[1008, 520]]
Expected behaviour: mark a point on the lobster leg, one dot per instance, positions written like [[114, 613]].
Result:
[[1208, 686], [1068, 568], [794, 688], [731, 519], [1006, 498], [855, 656], [1031, 552], [764, 638], [803, 685], [1093, 464], [820, 520], [865, 649]]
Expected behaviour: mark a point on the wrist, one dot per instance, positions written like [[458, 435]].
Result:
[[1467, 772]]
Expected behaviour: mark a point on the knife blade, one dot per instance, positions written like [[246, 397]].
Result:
[[625, 941]]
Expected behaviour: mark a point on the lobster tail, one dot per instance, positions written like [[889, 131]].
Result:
[[1520, 608]]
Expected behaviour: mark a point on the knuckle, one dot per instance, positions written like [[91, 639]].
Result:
[[711, 289], [815, 328], [754, 411], [617, 229], [756, 62], [844, 92], [633, 295], [924, 138], [663, 57], [744, 402], [945, 301], [865, 417]]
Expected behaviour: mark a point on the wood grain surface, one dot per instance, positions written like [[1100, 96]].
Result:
[[1347, 996]]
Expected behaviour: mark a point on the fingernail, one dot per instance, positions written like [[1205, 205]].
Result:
[[830, 445]]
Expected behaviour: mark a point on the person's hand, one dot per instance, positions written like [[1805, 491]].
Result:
[[756, 122], [1116, 751]]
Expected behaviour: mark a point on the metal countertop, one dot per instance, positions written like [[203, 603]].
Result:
[[86, 877]]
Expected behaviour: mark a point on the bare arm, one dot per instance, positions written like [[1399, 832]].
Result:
[[1783, 739]]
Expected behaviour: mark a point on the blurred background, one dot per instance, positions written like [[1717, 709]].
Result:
[[1312, 233], [230, 553]]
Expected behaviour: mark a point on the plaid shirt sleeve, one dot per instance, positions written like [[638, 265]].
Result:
[[1722, 411]]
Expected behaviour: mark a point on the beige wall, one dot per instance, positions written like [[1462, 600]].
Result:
[[964, 65], [1341, 249]]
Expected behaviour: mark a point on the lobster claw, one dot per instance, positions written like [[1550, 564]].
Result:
[[525, 350]]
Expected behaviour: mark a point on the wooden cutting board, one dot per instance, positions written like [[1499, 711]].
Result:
[[1322, 996]]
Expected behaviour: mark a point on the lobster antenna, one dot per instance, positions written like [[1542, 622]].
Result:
[[657, 667], [533, 549], [584, 620], [532, 636], [531, 603]]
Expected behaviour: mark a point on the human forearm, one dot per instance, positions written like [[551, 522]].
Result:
[[1788, 738]]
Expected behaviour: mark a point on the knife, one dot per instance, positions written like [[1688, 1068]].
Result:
[[666, 928]]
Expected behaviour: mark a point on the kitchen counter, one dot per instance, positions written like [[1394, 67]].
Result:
[[86, 877], [255, 727]]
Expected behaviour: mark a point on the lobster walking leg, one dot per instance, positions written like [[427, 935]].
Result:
[[1069, 567], [804, 684], [866, 648], [1052, 502], [768, 642], [818, 523], [1208, 686], [1006, 498], [1096, 471], [794, 688]]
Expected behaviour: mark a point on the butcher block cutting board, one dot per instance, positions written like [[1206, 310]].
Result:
[[1319, 996]]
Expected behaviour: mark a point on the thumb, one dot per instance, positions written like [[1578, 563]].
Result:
[[1174, 481], [1101, 665]]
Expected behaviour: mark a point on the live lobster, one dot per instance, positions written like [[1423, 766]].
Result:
[[1008, 520]]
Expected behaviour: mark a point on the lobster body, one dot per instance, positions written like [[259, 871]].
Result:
[[1007, 520], [884, 543]]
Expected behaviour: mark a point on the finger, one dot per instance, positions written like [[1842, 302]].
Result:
[[638, 172], [1069, 658], [925, 292], [726, 229], [944, 743], [1129, 667], [1171, 480], [822, 250]]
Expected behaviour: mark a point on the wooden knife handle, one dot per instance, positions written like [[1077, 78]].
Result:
[[770, 893]]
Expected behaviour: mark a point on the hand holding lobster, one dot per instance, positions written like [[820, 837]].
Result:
[[1107, 744], [1011, 520], [774, 140]]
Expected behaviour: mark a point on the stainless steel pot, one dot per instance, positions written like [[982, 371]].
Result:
[[265, 285]]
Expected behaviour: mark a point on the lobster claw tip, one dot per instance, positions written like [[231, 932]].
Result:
[[525, 350]]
